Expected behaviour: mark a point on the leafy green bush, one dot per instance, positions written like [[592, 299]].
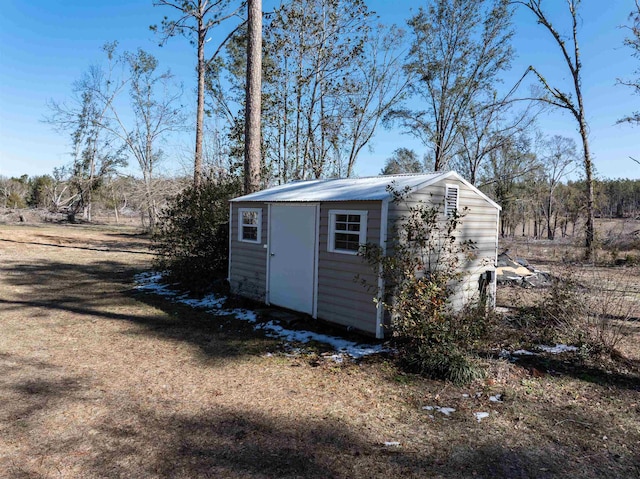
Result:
[[438, 362], [192, 238], [421, 273]]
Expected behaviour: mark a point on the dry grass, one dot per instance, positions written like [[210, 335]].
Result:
[[97, 380]]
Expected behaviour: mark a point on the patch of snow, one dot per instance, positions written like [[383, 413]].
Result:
[[151, 283], [337, 358], [496, 398], [504, 354], [342, 345], [465, 395], [523, 352], [244, 315], [209, 301], [557, 349], [391, 444], [444, 410], [481, 415]]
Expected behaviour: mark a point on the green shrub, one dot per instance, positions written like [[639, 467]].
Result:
[[438, 362], [421, 274], [192, 238]]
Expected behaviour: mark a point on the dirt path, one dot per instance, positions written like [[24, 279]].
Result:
[[98, 380]]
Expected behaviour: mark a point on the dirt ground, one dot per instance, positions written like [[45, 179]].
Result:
[[99, 380]]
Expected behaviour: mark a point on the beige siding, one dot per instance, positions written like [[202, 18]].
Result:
[[479, 224], [248, 267], [341, 299]]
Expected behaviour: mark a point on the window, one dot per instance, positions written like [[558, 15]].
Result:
[[249, 224], [450, 200], [347, 231]]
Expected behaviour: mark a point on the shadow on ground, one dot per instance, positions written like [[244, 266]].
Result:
[[102, 290], [596, 374], [106, 246], [222, 442]]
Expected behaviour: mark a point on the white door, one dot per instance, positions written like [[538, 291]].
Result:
[[292, 251]]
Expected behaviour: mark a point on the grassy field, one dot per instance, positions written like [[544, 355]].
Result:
[[100, 380]]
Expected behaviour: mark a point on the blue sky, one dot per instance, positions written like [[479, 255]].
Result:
[[46, 45]]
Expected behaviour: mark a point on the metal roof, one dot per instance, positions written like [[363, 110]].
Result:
[[339, 189], [351, 189]]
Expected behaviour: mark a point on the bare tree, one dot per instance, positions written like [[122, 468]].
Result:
[[507, 167], [403, 160], [488, 127], [633, 41], [459, 49], [317, 49], [565, 100], [96, 152], [557, 160], [195, 19], [378, 86], [155, 113], [253, 90]]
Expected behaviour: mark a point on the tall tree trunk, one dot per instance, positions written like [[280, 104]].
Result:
[[550, 232], [588, 170], [254, 95], [197, 164], [582, 122]]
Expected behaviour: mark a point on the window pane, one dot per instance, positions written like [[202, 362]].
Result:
[[354, 227], [354, 218], [341, 217], [341, 226], [250, 217], [347, 245], [347, 241], [341, 244], [250, 233]]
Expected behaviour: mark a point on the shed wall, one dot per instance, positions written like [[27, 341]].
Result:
[[342, 299], [480, 224], [248, 261]]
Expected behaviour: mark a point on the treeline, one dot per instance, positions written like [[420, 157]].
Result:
[[113, 195], [529, 210]]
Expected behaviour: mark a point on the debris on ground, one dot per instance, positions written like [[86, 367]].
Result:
[[519, 272]]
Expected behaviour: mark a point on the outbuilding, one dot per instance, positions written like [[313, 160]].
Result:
[[295, 245]]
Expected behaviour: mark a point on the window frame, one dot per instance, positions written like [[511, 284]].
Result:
[[242, 225], [362, 234], [447, 210]]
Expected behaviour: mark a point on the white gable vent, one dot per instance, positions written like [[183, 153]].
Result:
[[450, 200]]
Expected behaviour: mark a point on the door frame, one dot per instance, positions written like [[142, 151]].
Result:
[[316, 252]]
